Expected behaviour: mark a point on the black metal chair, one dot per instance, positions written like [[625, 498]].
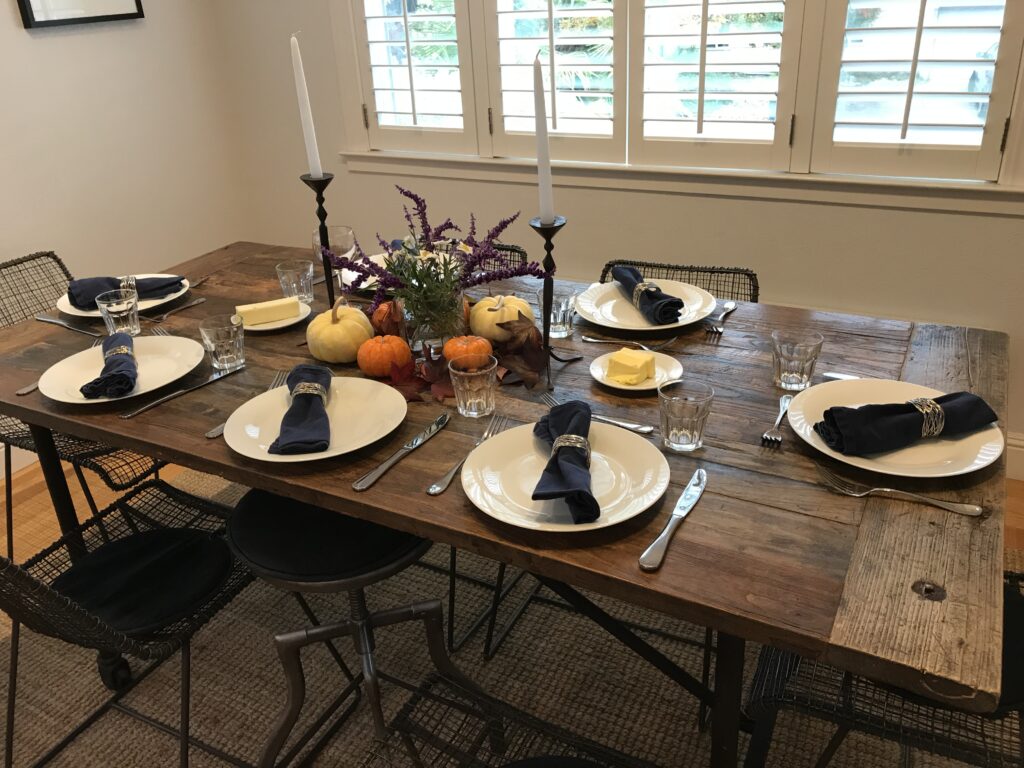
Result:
[[736, 283], [138, 579], [784, 680]]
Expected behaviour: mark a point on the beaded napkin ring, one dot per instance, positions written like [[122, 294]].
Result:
[[122, 350], [571, 441], [934, 419], [310, 388], [639, 290]]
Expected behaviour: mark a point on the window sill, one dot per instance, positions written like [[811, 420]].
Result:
[[977, 198]]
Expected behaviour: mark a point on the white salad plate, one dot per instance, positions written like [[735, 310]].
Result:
[[360, 411], [666, 368], [64, 303], [931, 457], [348, 276], [275, 325], [606, 305], [160, 359], [628, 475]]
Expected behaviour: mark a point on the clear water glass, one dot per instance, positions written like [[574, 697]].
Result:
[[474, 379], [296, 279], [224, 338], [342, 240], [794, 354], [685, 406], [563, 305], [120, 311]]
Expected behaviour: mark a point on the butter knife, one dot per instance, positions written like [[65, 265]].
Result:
[[651, 559], [176, 393], [69, 326], [839, 376], [374, 475]]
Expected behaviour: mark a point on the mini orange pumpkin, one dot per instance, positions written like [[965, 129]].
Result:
[[376, 355], [460, 346], [387, 319]]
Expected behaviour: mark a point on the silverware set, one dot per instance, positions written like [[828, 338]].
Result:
[[497, 424], [377, 472], [773, 436], [640, 429], [714, 325], [278, 381]]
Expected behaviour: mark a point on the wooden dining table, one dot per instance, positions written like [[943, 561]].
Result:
[[893, 590]]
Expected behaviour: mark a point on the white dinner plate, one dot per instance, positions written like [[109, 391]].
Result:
[[360, 410], [931, 457], [304, 310], [348, 276], [628, 474], [161, 360], [606, 305], [64, 303], [666, 368]]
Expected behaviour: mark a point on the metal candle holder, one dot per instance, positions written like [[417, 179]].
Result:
[[548, 232], [318, 185]]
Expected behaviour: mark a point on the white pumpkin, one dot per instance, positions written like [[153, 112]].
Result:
[[491, 310], [334, 336]]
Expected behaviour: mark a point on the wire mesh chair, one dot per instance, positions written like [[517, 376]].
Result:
[[736, 283], [507, 255], [784, 680], [29, 595]]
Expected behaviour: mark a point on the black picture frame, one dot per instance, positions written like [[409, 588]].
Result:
[[31, 22]]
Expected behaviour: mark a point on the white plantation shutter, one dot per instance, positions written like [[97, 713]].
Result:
[[713, 82], [916, 87]]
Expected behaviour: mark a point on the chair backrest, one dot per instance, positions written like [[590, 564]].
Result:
[[508, 256], [30, 285], [736, 283]]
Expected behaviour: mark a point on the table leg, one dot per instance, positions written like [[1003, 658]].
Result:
[[56, 483], [725, 715]]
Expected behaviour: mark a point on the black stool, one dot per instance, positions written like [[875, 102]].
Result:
[[302, 548]]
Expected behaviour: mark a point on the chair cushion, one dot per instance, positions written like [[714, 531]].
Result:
[[147, 581], [287, 539], [1013, 649], [553, 762]]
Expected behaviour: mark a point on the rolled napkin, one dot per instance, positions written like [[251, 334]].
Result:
[[305, 427], [656, 306], [82, 293], [567, 474], [879, 428], [120, 371]]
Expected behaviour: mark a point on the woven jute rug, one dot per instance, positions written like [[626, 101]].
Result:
[[555, 664]]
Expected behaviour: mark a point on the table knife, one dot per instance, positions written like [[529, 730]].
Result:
[[374, 475], [212, 378], [651, 559], [839, 376], [65, 324]]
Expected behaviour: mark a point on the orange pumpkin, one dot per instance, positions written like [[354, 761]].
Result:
[[376, 355], [387, 319], [474, 346]]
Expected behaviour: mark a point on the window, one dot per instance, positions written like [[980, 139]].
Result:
[[882, 87]]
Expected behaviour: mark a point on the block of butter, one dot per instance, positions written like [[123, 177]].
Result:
[[268, 311], [630, 366]]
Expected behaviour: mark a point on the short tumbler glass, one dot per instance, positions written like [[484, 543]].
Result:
[[563, 304], [474, 379], [685, 406], [296, 279], [794, 354], [120, 311], [224, 338], [343, 245]]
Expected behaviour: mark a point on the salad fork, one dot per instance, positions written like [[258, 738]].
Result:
[[620, 342], [497, 424], [773, 436], [30, 388], [714, 326], [279, 379], [848, 487], [641, 429]]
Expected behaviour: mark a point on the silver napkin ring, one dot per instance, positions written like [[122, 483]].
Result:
[[310, 388], [571, 441], [934, 419], [639, 289], [122, 350]]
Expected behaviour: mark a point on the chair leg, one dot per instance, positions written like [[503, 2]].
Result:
[[452, 569], [492, 619], [8, 503], [186, 696], [12, 689], [761, 739], [704, 712], [331, 649], [364, 647], [85, 490], [833, 746]]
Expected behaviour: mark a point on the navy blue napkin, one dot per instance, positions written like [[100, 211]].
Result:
[[567, 475], [119, 371], [305, 427], [82, 293], [656, 306], [879, 428]]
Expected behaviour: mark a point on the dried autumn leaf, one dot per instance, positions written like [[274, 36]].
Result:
[[523, 331], [405, 380], [516, 364]]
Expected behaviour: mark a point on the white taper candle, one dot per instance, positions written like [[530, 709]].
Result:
[[305, 113], [544, 187]]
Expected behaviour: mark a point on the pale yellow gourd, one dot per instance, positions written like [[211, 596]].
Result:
[[334, 336], [491, 310]]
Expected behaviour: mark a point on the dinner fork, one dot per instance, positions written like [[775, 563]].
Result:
[[278, 381], [620, 342], [30, 388], [849, 487], [642, 429], [128, 283], [773, 436], [497, 423], [714, 326], [168, 313], [159, 332]]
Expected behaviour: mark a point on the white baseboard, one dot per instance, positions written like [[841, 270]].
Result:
[[1015, 455]]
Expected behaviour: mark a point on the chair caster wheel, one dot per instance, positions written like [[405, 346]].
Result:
[[114, 671]]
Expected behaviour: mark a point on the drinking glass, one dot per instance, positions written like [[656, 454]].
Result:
[[224, 338], [296, 279], [474, 379], [343, 243], [120, 311], [794, 354], [685, 406], [563, 304]]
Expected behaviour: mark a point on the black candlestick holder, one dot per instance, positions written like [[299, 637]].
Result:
[[548, 232], [318, 185]]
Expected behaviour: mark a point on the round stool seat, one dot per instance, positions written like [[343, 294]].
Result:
[[550, 761], [286, 540]]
